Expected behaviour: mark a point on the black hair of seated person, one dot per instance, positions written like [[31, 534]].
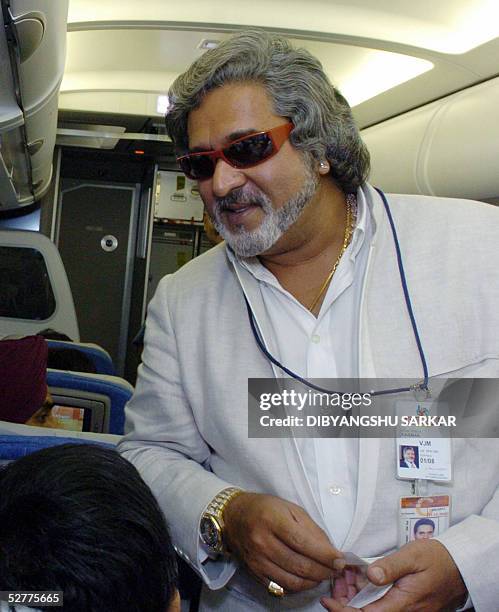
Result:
[[69, 359], [78, 518], [52, 334]]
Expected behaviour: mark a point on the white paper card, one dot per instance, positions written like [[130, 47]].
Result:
[[370, 593]]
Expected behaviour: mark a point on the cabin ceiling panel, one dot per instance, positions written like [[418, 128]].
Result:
[[446, 26], [119, 80], [116, 102], [149, 61], [386, 56], [483, 60], [417, 92], [362, 73], [136, 49]]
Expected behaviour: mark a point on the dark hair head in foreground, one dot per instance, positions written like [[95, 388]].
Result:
[[299, 89], [79, 519]]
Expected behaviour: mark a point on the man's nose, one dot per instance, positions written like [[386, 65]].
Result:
[[226, 178]]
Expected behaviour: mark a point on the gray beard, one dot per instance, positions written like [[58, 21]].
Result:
[[275, 223]]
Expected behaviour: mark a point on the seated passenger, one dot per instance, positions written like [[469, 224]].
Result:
[[79, 519], [70, 359], [62, 358], [52, 334], [24, 395]]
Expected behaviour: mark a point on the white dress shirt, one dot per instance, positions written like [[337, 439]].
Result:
[[324, 347]]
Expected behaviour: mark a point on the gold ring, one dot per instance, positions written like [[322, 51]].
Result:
[[275, 589]]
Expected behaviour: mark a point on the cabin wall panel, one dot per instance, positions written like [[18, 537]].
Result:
[[100, 279], [447, 148]]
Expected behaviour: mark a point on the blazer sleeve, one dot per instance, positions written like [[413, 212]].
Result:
[[165, 445], [474, 546]]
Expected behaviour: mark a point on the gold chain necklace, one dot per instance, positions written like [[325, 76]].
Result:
[[351, 203]]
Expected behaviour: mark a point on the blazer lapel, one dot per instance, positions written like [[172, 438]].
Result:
[[387, 347], [385, 323]]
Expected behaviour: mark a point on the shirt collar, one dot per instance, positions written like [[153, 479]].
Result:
[[362, 224]]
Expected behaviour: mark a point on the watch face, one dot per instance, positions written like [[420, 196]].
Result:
[[210, 532]]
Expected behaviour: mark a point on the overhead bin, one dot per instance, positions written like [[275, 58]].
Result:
[[447, 148], [32, 57]]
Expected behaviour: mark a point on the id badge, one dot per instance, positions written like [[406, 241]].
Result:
[[424, 452], [423, 518]]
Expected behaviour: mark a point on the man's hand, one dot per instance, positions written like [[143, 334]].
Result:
[[278, 541], [347, 583], [425, 578]]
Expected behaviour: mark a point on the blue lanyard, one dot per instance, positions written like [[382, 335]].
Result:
[[423, 385]]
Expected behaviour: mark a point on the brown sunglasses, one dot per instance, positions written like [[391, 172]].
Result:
[[244, 152]]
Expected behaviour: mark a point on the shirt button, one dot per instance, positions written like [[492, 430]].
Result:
[[335, 490], [315, 339]]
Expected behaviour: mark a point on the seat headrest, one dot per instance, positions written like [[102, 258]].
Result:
[[98, 356]]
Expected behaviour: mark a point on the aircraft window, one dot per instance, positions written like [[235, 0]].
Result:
[[26, 292]]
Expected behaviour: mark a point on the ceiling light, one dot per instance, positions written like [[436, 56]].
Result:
[[208, 44], [162, 104], [379, 72]]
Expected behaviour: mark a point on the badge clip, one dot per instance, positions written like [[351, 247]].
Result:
[[421, 391]]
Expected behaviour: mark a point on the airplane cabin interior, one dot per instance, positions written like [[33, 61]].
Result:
[[86, 165]]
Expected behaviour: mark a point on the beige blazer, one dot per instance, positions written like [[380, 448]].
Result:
[[187, 421]]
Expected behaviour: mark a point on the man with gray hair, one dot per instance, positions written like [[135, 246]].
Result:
[[309, 282]]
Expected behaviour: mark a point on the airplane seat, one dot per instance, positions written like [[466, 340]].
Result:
[[99, 399], [14, 447], [35, 289], [19, 440], [97, 355]]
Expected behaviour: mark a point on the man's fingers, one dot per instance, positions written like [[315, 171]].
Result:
[[330, 604], [393, 567], [361, 581], [340, 588], [307, 538], [351, 575], [296, 563], [267, 571], [278, 541], [348, 584], [352, 592], [394, 601], [335, 606]]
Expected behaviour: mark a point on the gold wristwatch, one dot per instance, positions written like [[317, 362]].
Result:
[[211, 525]]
